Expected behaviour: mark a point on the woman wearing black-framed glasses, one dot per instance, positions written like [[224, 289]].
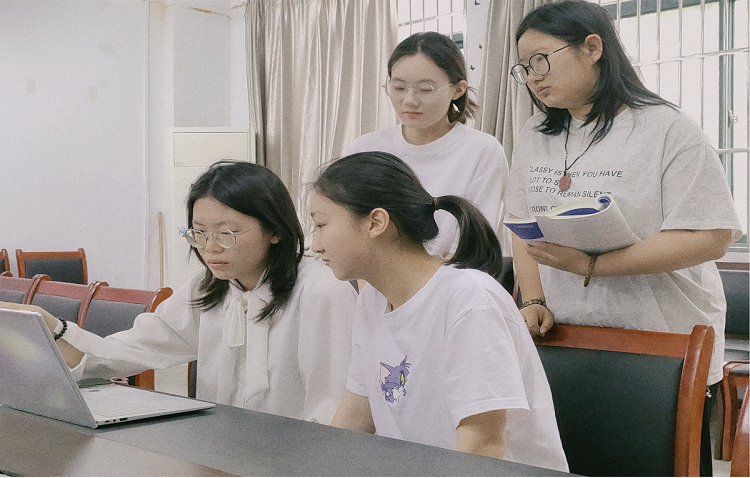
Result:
[[601, 132]]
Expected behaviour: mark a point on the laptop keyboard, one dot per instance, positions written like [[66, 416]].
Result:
[[108, 405]]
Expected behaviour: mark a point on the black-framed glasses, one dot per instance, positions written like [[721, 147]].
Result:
[[398, 89], [538, 63], [225, 239]]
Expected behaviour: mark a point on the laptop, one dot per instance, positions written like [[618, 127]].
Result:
[[34, 378]]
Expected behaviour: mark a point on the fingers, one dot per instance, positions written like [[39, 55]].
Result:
[[539, 320], [532, 318], [548, 320]]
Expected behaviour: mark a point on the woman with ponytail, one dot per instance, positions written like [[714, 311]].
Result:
[[428, 90], [271, 329], [440, 353]]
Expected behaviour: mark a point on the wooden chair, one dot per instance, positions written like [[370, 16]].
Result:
[[4, 262], [18, 289], [736, 280], [628, 402], [740, 462], [114, 309], [60, 266], [63, 299]]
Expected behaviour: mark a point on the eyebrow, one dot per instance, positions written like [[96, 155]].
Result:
[[395, 78], [198, 223]]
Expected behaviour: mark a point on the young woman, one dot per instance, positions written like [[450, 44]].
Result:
[[271, 330], [600, 131], [440, 353], [427, 87]]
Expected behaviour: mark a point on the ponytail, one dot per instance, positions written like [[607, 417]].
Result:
[[478, 246], [362, 182]]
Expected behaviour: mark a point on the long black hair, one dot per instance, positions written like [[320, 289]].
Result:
[[364, 181], [448, 57], [618, 83], [254, 191]]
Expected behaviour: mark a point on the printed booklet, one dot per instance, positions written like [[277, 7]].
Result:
[[589, 225]]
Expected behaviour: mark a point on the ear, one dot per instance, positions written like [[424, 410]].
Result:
[[275, 239], [460, 89], [593, 47], [377, 222]]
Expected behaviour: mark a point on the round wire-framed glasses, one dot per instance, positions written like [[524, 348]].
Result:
[[398, 89], [538, 63], [225, 239]]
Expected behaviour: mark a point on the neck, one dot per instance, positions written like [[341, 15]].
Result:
[[421, 136], [249, 281], [404, 274], [580, 113]]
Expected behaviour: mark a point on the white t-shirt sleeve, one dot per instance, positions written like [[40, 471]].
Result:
[[695, 193], [355, 381], [488, 183], [326, 310], [481, 367], [514, 196]]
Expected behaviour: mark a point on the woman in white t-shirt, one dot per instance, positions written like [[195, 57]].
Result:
[[271, 329], [428, 89], [440, 353], [600, 131]]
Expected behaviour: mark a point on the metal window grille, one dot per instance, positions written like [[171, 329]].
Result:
[[695, 54], [444, 16]]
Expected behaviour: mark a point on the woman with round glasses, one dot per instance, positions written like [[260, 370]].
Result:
[[428, 90], [271, 329], [600, 131]]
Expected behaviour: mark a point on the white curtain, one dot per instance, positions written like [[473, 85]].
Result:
[[315, 70], [505, 105]]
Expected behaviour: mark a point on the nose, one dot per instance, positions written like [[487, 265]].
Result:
[[212, 246], [532, 75], [410, 96], [316, 247]]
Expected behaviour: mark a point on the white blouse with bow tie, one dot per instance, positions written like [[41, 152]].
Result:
[[294, 364]]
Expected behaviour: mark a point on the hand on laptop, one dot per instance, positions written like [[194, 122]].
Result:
[[50, 319], [71, 354]]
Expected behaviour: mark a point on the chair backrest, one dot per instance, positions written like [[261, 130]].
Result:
[[4, 262], [18, 289], [628, 403], [113, 309], [65, 266], [737, 292], [64, 299], [740, 459]]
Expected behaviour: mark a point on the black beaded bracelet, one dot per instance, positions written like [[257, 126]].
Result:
[[532, 302], [65, 327]]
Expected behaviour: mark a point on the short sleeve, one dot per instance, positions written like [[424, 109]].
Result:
[[695, 193], [326, 309], [514, 196], [355, 382], [481, 367]]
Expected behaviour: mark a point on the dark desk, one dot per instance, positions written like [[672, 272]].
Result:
[[225, 441]]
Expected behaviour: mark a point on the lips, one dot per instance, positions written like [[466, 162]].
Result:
[[542, 91], [412, 114]]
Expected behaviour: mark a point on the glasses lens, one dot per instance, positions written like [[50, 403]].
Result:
[[225, 239], [519, 73], [539, 64], [195, 238]]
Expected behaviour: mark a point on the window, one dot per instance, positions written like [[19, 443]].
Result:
[[695, 54], [444, 16]]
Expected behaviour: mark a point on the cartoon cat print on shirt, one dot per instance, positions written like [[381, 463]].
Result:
[[393, 380]]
